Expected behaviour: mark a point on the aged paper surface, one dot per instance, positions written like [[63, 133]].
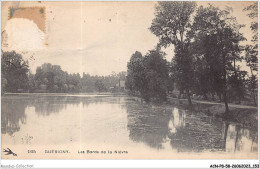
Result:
[[68, 91]]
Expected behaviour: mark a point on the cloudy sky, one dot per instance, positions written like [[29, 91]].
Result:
[[93, 37]]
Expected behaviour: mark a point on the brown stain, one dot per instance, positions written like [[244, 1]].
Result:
[[36, 14]]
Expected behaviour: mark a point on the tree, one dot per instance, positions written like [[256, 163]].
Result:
[[156, 76], [32, 82], [253, 9], [15, 71], [135, 73], [100, 86], [121, 75], [170, 80], [3, 85], [252, 86], [251, 56], [148, 76], [183, 70], [236, 83], [236, 79], [202, 81], [223, 31], [171, 24], [56, 80]]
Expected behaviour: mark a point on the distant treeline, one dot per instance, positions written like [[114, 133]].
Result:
[[207, 53], [16, 77], [206, 62]]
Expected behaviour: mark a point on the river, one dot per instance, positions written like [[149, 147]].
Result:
[[92, 122]]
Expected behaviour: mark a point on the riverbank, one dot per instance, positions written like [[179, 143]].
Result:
[[69, 94], [245, 115]]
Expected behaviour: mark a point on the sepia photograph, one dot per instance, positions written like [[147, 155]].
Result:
[[172, 80]]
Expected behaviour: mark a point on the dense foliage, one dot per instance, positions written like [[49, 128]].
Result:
[[51, 78], [148, 75], [14, 72], [207, 54]]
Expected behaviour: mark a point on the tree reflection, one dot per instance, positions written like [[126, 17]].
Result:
[[51, 104], [185, 131], [148, 124], [14, 107], [238, 138], [203, 133], [225, 135], [197, 134], [13, 115]]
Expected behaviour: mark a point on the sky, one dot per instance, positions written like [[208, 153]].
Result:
[[92, 37]]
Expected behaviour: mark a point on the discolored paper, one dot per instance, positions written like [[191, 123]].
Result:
[[90, 39]]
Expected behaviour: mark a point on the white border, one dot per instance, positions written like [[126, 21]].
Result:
[[124, 163]]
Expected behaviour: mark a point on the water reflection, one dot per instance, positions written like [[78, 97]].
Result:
[[13, 115], [14, 107], [125, 120], [239, 139], [47, 106], [198, 133], [177, 120], [183, 131], [148, 124]]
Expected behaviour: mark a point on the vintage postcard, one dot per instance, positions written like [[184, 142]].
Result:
[[129, 80]]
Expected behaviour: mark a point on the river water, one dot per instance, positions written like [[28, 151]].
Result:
[[80, 122]]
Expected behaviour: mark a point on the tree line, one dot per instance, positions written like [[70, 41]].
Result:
[[16, 77], [207, 52]]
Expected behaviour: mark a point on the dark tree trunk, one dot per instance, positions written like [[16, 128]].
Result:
[[205, 96], [189, 99], [219, 96], [235, 71], [179, 96], [226, 102], [225, 85], [224, 76], [253, 93], [254, 98], [213, 97]]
